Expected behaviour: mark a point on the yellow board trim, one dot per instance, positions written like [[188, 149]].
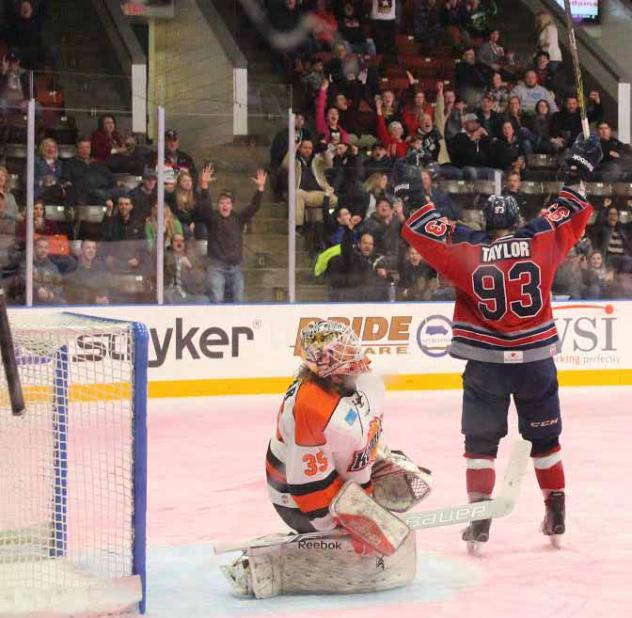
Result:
[[404, 382], [265, 386]]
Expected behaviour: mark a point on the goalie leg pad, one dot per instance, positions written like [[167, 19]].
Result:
[[326, 565], [366, 520], [399, 483]]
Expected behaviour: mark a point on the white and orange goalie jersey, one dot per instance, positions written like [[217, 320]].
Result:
[[323, 439]]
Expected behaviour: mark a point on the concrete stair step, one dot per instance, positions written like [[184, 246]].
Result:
[[304, 293], [267, 225], [277, 277]]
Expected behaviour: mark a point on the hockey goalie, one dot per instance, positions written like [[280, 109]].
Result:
[[333, 481]]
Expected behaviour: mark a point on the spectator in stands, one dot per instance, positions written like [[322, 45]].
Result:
[[225, 240], [452, 17], [47, 280], [375, 187], [350, 26], [490, 120], [547, 77], [471, 150], [390, 105], [569, 277], [384, 26], [24, 33], [88, 284], [416, 107], [106, 140], [470, 78], [536, 137], [616, 165], [328, 123], [86, 181], [345, 174], [284, 17], [392, 138], [41, 225], [311, 183], [378, 161], [14, 86], [145, 194], [506, 148], [176, 159], [567, 123], [548, 40], [49, 173], [614, 240], [530, 92], [312, 73], [431, 139], [184, 278], [335, 223], [185, 200], [492, 55], [448, 118], [342, 64], [414, 275], [172, 227], [10, 205], [365, 274], [280, 145], [170, 181], [416, 157], [515, 114], [512, 188], [598, 279], [499, 93], [385, 225], [9, 254], [442, 200], [427, 23], [125, 233], [131, 159]]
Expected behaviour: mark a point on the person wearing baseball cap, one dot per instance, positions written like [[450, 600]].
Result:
[[176, 159], [471, 150], [13, 84]]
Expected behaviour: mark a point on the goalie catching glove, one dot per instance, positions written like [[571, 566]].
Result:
[[398, 482]]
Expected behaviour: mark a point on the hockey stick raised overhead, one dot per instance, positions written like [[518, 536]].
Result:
[[500, 506], [577, 69]]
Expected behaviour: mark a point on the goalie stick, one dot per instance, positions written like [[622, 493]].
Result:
[[9, 361], [500, 506]]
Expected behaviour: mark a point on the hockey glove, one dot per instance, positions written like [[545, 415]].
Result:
[[582, 160]]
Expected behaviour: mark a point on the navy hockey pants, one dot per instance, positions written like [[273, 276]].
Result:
[[487, 391]]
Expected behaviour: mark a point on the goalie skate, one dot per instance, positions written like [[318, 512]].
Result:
[[554, 525]]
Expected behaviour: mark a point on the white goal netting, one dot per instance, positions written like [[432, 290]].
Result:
[[72, 468]]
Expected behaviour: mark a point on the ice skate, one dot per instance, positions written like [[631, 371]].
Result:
[[553, 525], [475, 534], [238, 574]]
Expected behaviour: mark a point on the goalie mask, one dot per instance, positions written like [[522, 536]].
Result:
[[501, 212], [331, 348]]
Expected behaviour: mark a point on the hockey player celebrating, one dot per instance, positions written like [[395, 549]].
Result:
[[332, 480], [503, 326]]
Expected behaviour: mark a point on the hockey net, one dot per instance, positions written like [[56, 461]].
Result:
[[73, 468]]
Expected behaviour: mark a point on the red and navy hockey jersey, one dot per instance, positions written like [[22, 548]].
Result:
[[503, 286]]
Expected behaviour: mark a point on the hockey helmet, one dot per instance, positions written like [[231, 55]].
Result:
[[501, 212], [331, 348]]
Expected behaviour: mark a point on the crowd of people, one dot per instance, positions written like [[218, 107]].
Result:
[[377, 114], [422, 92], [107, 251]]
